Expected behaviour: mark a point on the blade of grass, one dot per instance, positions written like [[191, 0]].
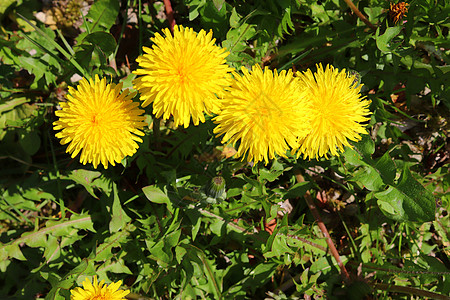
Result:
[[88, 31], [292, 62], [72, 53], [17, 211], [58, 178], [140, 26], [124, 23], [56, 45], [399, 110]]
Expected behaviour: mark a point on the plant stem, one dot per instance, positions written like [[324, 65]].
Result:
[[324, 230], [169, 14], [359, 14], [409, 290]]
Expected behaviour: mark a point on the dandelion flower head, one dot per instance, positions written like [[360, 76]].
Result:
[[98, 291], [182, 75], [338, 109], [100, 122], [265, 112]]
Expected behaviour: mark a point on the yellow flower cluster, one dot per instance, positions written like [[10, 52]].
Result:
[[185, 76]]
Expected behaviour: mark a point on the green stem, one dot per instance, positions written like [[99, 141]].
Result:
[[58, 179]]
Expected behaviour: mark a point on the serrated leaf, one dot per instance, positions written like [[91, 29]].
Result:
[[279, 247], [270, 176], [11, 104], [51, 251], [104, 251], [85, 178], [408, 200], [15, 252], [386, 168], [118, 216], [383, 40], [55, 228], [234, 18], [365, 147]]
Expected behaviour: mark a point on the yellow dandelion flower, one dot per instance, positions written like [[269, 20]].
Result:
[[182, 74], [99, 121], [98, 291], [338, 110], [265, 112]]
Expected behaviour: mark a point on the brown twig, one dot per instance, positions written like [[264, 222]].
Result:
[[169, 14], [359, 14], [324, 230], [410, 290]]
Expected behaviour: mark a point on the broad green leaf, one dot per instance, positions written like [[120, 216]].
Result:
[[352, 157], [40, 237], [113, 266], [155, 195], [4, 4], [384, 39], [179, 253], [103, 13], [264, 270], [15, 252], [104, 40], [234, 18], [298, 190], [325, 264], [369, 178], [279, 247], [11, 104], [104, 251], [386, 168], [366, 146], [118, 216], [158, 253], [85, 178], [408, 200], [270, 176], [30, 142]]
